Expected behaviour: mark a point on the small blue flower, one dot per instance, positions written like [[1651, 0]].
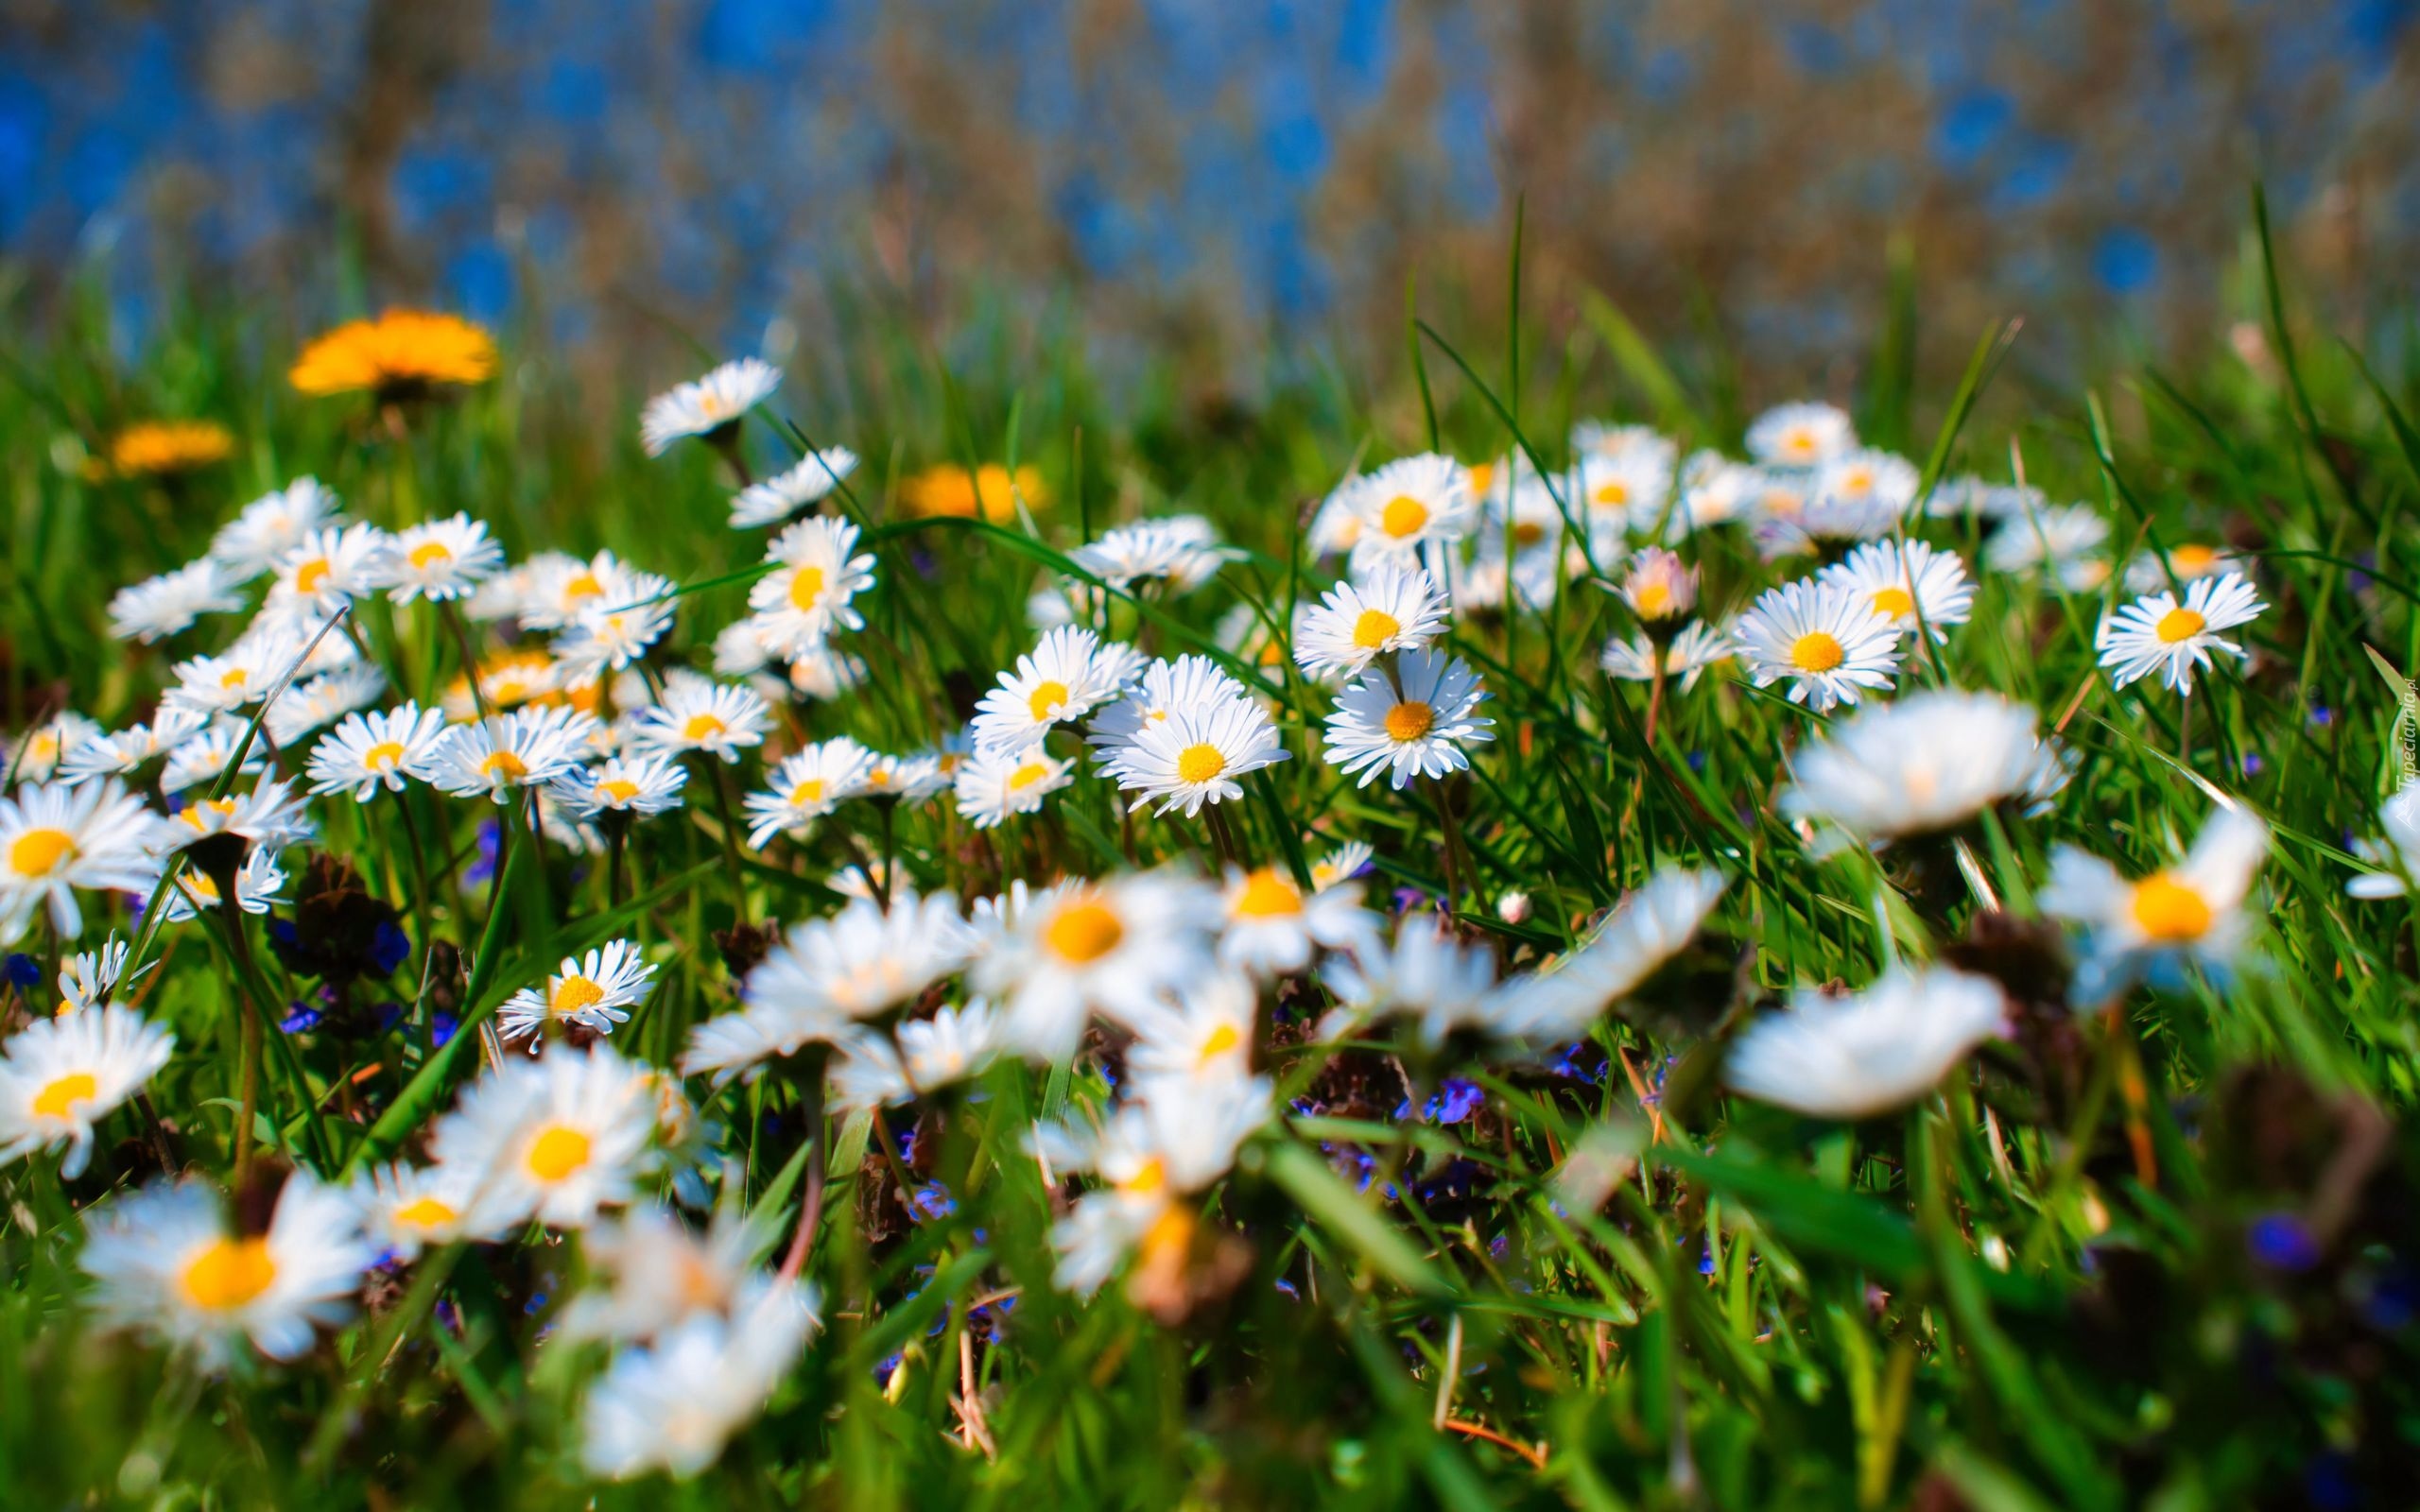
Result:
[[2322, 715], [2253, 764], [441, 1028], [299, 1018], [388, 947], [2280, 1242], [23, 970], [1455, 1103]]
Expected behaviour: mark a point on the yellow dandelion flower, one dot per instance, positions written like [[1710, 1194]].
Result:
[[949, 490], [157, 448], [400, 353]]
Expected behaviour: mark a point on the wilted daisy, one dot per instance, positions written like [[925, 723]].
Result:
[[864, 961], [399, 355], [1800, 435], [2399, 851], [631, 786], [62, 1075], [47, 748], [260, 884], [2062, 540], [1923, 765], [1696, 649], [807, 786], [88, 977], [673, 1405], [2190, 911], [1391, 607], [806, 597], [1174, 1136], [1561, 1001], [787, 492], [1071, 673], [1406, 505], [1426, 975], [592, 993], [165, 1260], [328, 569], [496, 757], [1905, 583], [55, 839], [1856, 1056], [273, 525], [365, 752], [1111, 945], [160, 607], [1825, 639], [1196, 756], [407, 1208], [441, 559], [556, 1139], [1412, 725], [1273, 926], [992, 786], [705, 405], [2156, 633]]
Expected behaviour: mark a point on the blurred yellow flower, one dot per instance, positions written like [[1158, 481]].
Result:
[[948, 491], [400, 353], [155, 448]]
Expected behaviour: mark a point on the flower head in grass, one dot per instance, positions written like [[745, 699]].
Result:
[[1113, 947], [610, 633], [441, 559], [121, 753], [1195, 756], [716, 718], [1825, 639], [1692, 651], [1906, 583], [365, 752], [2064, 541], [808, 786], [2397, 852], [1563, 1000], [990, 490], [2190, 913], [657, 1273], [1391, 607], [823, 674], [1864, 475], [407, 1208], [627, 786], [55, 839], [863, 962], [1661, 591], [1957, 498], [992, 786], [273, 525], [592, 993], [1862, 1053], [1066, 676], [787, 492], [562, 588], [260, 884], [1411, 725], [1426, 975], [1801, 434], [1209, 1031], [1408, 504], [1714, 489], [807, 596], [1180, 550], [166, 1261], [2189, 563], [1273, 924], [506, 682], [1930, 763], [496, 757], [706, 405], [400, 354], [1171, 1138], [557, 1139], [168, 448], [329, 569], [87, 978], [1620, 492], [2156, 633], [919, 1057], [60, 1076], [204, 756], [239, 677], [901, 779], [49, 748], [1340, 865], [160, 607], [1189, 685], [269, 816], [672, 1404], [323, 701]]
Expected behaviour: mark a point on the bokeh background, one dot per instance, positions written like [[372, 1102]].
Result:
[[1211, 181]]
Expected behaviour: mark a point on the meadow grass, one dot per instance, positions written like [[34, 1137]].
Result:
[[2162, 1254]]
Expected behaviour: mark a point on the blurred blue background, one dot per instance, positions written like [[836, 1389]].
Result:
[[1203, 173]]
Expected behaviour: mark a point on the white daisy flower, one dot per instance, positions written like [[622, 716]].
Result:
[[1390, 609], [2191, 912], [441, 559], [1426, 974], [1563, 1000], [901, 779], [1208, 1033], [161, 607], [556, 1139], [714, 718], [269, 818], [329, 569], [1903, 584], [824, 674], [166, 1260], [992, 786], [62, 1075], [2066, 540], [705, 405], [88, 977], [740, 1045], [1195, 756], [1412, 725], [1271, 925], [1598, 440], [1692, 651], [1865, 475], [807, 786], [1825, 639], [238, 677], [506, 682], [260, 884], [206, 755], [919, 1057], [1800, 435], [608, 634], [1405, 505], [806, 597], [561, 587], [1616, 495], [659, 1275], [495, 758], [55, 839], [273, 525], [1956, 498], [638, 786], [1928, 764], [594, 991], [672, 1406], [1823, 523], [1191, 684], [2187, 564], [121, 753], [1172, 1137], [365, 752], [407, 1209], [1067, 676], [1182, 550], [1077, 947], [863, 962], [48, 747], [1660, 589], [2398, 852], [1853, 1057], [323, 701], [1714, 489], [785, 493], [1339, 865], [2156, 633]]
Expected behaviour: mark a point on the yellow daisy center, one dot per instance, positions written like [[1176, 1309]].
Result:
[[504, 764], [1026, 776], [386, 753], [1482, 473], [424, 1213], [583, 586], [309, 576], [614, 790], [1374, 629], [1220, 1041], [2179, 624], [807, 585], [1527, 533], [1410, 720], [1800, 442], [2167, 909], [557, 1153], [1403, 516], [1200, 762], [1266, 895], [63, 1096], [704, 727], [1893, 603], [229, 1274], [1654, 600], [1816, 652], [235, 678], [1083, 933], [2193, 560], [1047, 698], [810, 791], [1152, 1177], [40, 853], [574, 993], [430, 554], [1612, 496]]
